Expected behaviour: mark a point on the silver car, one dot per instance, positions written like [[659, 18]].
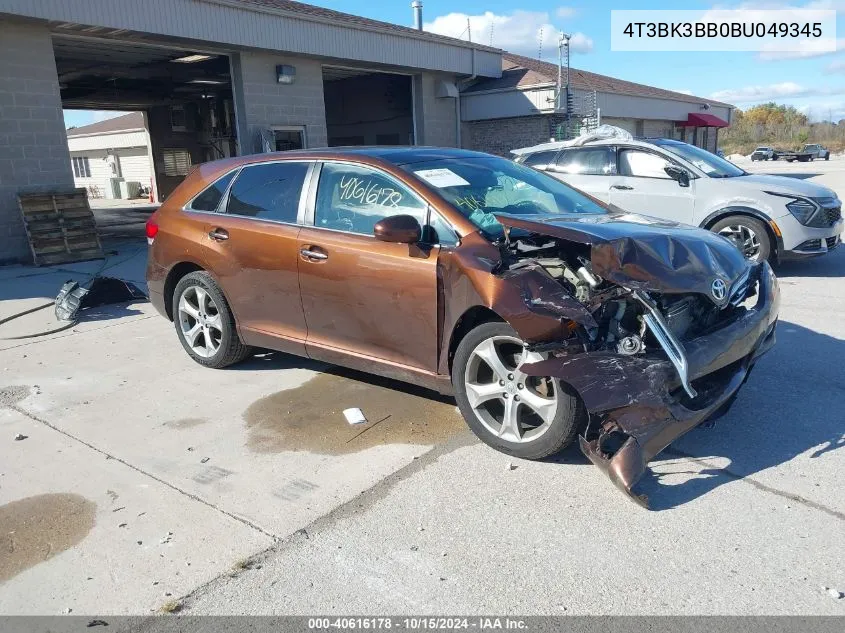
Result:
[[767, 217]]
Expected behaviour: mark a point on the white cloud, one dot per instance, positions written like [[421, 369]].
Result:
[[773, 92], [518, 32], [815, 48], [566, 12], [837, 66]]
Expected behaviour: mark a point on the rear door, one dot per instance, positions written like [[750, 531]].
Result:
[[643, 186], [255, 238], [588, 169]]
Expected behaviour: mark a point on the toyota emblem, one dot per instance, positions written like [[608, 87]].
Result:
[[719, 290]]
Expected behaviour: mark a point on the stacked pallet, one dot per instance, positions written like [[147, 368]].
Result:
[[60, 227]]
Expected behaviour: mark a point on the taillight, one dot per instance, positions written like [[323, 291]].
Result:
[[152, 228]]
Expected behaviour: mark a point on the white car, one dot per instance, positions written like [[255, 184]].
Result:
[[763, 153], [767, 217]]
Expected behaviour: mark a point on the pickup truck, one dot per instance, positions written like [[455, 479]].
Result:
[[764, 153], [810, 152]]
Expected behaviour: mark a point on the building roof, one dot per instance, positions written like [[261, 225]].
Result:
[[131, 121], [520, 72], [319, 13]]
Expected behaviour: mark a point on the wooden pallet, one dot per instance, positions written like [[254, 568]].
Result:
[[60, 227]]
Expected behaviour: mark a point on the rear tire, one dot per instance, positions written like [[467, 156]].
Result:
[[529, 434], [205, 324], [748, 234]]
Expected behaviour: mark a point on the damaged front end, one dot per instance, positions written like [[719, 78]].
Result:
[[661, 325]]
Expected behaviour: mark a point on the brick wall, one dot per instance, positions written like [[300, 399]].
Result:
[[33, 145], [264, 102], [499, 136]]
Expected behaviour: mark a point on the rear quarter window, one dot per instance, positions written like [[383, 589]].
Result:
[[210, 198]]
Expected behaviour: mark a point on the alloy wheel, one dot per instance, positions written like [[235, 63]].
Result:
[[200, 321], [510, 404], [744, 238]]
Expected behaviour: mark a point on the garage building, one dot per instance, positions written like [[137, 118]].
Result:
[[518, 108], [215, 78]]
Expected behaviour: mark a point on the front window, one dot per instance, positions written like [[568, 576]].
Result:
[[712, 165], [633, 162], [481, 187]]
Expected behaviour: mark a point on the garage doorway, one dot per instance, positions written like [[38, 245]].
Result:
[[185, 96], [365, 107]]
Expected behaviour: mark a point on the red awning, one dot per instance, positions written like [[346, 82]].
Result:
[[703, 120]]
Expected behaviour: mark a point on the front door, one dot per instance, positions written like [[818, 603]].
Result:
[[256, 237], [643, 186], [361, 296]]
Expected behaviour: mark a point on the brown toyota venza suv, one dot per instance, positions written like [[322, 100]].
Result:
[[547, 314]]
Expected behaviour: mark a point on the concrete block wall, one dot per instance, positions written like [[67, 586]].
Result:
[[499, 136], [262, 102], [33, 145], [439, 113]]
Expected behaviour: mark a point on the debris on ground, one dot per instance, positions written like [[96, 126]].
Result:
[[102, 291], [510, 466], [354, 416], [204, 460], [167, 538], [414, 548], [834, 593], [20, 436]]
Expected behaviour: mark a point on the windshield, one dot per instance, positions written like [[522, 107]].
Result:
[[479, 187], [712, 165]]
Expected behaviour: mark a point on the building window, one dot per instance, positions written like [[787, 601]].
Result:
[[178, 120], [81, 167], [288, 138], [177, 162]]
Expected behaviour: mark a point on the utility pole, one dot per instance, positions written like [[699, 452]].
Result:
[[564, 103], [469, 31]]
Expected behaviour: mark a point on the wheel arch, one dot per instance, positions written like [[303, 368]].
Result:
[[468, 321], [174, 275], [775, 240]]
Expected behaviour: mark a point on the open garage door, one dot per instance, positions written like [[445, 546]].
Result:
[[185, 94], [364, 107]]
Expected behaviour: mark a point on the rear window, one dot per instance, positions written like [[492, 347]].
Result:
[[209, 199], [268, 191], [595, 161], [539, 158]]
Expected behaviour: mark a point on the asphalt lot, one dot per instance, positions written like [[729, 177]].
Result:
[[147, 483]]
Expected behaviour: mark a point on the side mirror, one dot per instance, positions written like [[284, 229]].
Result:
[[678, 173], [402, 229]]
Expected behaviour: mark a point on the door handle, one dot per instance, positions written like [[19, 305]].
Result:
[[218, 235], [621, 187], [309, 254]]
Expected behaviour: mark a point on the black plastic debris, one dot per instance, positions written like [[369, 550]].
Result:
[[101, 291]]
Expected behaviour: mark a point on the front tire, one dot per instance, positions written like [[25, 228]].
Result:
[[204, 322], [748, 234], [520, 415]]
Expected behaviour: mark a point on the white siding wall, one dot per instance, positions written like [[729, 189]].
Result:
[[134, 165]]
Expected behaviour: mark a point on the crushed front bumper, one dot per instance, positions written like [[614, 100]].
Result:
[[640, 401]]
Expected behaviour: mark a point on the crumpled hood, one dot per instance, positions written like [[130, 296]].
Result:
[[783, 184], [644, 253]]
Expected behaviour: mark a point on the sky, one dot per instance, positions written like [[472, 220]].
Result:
[[813, 83]]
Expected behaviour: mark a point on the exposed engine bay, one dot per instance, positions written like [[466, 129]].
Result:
[[620, 313]]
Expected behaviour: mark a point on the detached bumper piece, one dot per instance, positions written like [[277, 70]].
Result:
[[643, 402]]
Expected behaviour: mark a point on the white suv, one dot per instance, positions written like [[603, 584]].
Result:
[[767, 217]]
